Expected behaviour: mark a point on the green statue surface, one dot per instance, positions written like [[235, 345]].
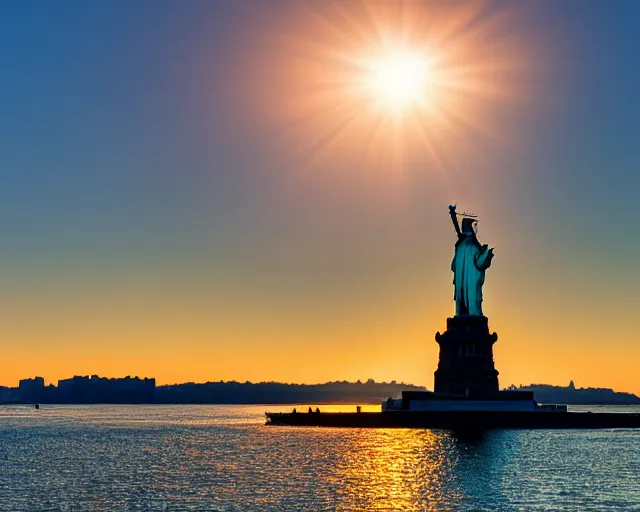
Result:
[[470, 261]]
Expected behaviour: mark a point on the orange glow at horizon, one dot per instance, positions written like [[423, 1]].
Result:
[[182, 342]]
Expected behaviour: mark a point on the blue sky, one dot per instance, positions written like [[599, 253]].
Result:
[[140, 188]]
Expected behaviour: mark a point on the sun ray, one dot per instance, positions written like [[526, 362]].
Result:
[[328, 139], [429, 143]]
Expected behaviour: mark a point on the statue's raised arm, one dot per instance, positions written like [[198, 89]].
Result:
[[454, 219]]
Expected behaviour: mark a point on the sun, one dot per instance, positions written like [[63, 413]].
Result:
[[387, 84], [399, 79]]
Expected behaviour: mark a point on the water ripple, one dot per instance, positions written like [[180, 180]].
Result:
[[223, 458]]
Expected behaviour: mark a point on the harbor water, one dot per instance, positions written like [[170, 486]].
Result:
[[223, 458]]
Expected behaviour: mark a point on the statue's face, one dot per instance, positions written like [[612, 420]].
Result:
[[469, 226]]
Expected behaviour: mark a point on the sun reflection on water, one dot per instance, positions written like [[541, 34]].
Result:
[[388, 469]]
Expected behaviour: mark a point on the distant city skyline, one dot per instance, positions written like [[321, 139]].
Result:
[[95, 389], [45, 382], [198, 191]]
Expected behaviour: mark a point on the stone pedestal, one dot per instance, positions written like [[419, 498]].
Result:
[[466, 364]]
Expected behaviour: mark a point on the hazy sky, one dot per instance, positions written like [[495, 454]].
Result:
[[194, 191]]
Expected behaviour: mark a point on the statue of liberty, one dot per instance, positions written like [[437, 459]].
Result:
[[469, 263]]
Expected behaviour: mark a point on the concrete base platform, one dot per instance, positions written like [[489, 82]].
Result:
[[458, 420]]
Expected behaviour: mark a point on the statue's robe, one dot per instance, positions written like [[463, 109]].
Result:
[[469, 264]]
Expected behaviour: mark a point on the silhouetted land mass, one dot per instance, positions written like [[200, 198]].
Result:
[[134, 390], [369, 392], [548, 394]]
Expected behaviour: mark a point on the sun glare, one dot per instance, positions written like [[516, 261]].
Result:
[[385, 84], [399, 80]]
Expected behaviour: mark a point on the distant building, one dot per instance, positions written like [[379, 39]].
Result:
[[94, 389], [8, 395], [31, 390]]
